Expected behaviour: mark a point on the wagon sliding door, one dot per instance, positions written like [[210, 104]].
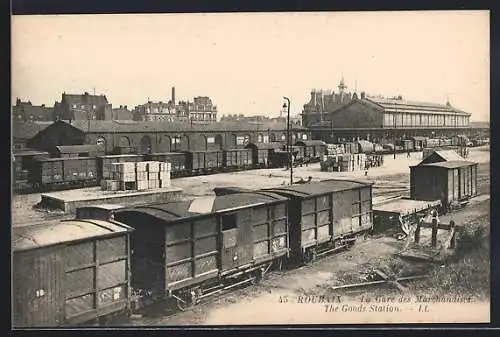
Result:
[[361, 209], [237, 240], [269, 231], [316, 220], [96, 280], [191, 250]]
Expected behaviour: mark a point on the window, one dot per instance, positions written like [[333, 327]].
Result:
[[240, 140], [210, 140], [228, 222], [74, 106], [100, 141], [259, 138], [283, 137], [93, 106], [82, 106], [304, 137], [176, 140]]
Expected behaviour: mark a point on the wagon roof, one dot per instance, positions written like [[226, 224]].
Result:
[[79, 148], [65, 158], [173, 211], [167, 153], [48, 234], [29, 152], [449, 164], [310, 142], [120, 156], [317, 188]]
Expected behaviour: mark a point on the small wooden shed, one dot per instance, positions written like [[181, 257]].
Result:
[[69, 272], [448, 181]]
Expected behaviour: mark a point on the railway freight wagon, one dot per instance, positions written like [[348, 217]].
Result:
[[237, 159], [191, 249], [69, 272], [451, 182], [262, 153], [201, 162], [178, 162], [22, 164], [105, 163], [326, 216], [52, 172], [313, 149]]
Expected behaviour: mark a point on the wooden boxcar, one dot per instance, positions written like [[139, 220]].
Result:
[[177, 159], [58, 171], [69, 272], [105, 163], [71, 151], [449, 181], [22, 164], [204, 161], [262, 153], [313, 149], [190, 249], [325, 216], [237, 158]]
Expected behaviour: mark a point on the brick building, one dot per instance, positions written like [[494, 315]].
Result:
[[323, 102], [200, 111], [83, 107], [25, 111]]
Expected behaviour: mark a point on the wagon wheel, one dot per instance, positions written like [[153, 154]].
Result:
[[186, 304]]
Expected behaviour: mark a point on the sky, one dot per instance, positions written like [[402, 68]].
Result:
[[247, 62]]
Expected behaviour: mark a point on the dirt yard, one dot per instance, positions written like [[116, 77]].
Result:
[[265, 303], [260, 304]]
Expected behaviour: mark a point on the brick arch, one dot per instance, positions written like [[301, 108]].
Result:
[[164, 143], [123, 141], [219, 141], [146, 144]]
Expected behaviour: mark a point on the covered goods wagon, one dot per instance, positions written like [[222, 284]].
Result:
[[448, 181], [262, 153], [237, 158], [177, 159], [189, 249], [313, 149], [326, 215], [69, 272], [71, 170], [204, 161]]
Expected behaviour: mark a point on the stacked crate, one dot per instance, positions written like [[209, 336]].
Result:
[[344, 162], [143, 175], [153, 174]]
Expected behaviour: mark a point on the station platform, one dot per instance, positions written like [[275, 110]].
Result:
[[69, 201]]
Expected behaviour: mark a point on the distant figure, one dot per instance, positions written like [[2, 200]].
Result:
[[408, 155], [309, 179], [434, 215]]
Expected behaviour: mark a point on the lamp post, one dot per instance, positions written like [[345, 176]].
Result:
[[288, 146]]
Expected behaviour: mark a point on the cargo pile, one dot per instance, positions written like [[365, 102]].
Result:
[[344, 163], [144, 175], [335, 149]]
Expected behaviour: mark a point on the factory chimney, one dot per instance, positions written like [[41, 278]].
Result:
[[173, 96]]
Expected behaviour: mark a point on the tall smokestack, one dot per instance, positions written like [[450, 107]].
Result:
[[173, 95]]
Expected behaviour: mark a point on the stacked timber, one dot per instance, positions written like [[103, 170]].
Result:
[[335, 149]]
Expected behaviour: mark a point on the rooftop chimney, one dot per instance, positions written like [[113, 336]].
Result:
[[173, 96]]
